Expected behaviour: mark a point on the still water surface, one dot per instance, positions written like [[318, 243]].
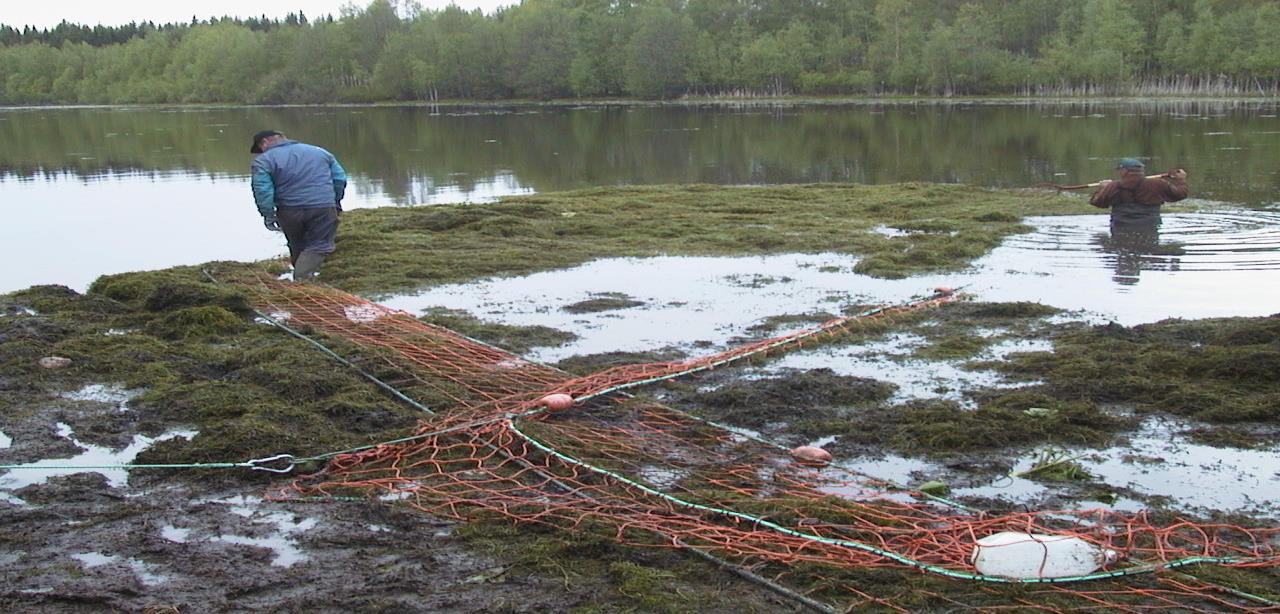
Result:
[[103, 190]]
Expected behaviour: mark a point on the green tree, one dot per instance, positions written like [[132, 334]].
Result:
[[1264, 54], [217, 63], [657, 63], [541, 50], [1171, 54], [603, 30], [896, 52]]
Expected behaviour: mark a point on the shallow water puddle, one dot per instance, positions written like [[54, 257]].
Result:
[[1156, 462], [686, 300], [17, 310], [281, 542], [144, 571], [1204, 265], [1159, 462], [103, 460], [112, 394], [174, 534], [888, 361]]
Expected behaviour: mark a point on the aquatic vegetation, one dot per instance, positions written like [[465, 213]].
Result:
[[1218, 370], [1055, 465], [403, 248], [658, 580], [605, 301], [804, 396], [583, 365], [518, 339], [250, 389]]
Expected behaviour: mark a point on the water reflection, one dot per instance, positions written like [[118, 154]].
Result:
[[88, 191], [1134, 246]]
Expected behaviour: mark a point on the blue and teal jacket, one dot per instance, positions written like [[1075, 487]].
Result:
[[294, 174]]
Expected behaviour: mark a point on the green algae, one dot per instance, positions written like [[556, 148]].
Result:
[[943, 427], [591, 363], [805, 397], [951, 347], [629, 579], [170, 289], [604, 301], [203, 321], [517, 339], [249, 389], [403, 248], [1219, 371]]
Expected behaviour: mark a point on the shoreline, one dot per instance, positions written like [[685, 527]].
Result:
[[696, 101]]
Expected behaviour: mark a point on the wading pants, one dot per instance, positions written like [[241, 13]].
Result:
[[310, 232]]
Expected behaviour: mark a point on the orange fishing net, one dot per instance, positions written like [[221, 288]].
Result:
[[651, 476]]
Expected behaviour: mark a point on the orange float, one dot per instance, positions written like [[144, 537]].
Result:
[[811, 454], [557, 402]]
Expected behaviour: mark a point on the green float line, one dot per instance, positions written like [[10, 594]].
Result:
[[140, 466], [259, 464], [943, 571]]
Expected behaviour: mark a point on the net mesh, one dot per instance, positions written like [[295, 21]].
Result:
[[650, 476]]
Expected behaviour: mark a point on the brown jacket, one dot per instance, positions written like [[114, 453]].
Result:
[[1149, 192]]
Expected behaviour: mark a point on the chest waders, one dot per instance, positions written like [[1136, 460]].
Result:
[[1129, 211]]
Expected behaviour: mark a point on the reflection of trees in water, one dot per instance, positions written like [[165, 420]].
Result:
[[1134, 246], [408, 151]]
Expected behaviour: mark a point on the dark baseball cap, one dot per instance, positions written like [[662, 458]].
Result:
[[1130, 164], [261, 136]]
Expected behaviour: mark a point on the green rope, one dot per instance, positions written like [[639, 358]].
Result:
[[855, 545], [133, 466]]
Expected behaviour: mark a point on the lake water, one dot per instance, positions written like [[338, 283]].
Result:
[[102, 190]]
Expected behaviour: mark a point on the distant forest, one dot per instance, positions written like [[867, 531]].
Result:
[[659, 49]]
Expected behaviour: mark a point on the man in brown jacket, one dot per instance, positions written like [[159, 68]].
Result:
[[1134, 198]]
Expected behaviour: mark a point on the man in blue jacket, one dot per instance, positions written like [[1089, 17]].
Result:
[[298, 189]]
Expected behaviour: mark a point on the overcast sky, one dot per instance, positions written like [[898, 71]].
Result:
[[48, 13]]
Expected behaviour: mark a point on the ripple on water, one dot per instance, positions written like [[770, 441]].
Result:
[[1216, 241]]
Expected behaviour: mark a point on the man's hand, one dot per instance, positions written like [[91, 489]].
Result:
[[271, 223], [1178, 174], [1104, 182]]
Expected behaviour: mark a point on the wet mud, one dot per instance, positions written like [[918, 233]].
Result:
[[208, 540]]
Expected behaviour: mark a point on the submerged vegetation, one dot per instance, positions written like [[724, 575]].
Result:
[[396, 249]]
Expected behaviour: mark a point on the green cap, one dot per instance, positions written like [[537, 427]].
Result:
[[1130, 164]]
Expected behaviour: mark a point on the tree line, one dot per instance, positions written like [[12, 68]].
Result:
[[654, 49]]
